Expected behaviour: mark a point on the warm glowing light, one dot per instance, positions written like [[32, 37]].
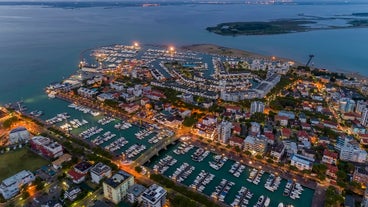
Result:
[[273, 58], [136, 44]]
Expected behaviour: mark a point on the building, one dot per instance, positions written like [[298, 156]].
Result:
[[83, 167], [236, 142], [115, 188], [11, 186], [18, 135], [256, 145], [353, 153], [365, 199], [255, 128], [46, 146], [224, 131], [72, 193], [278, 151], [302, 162], [257, 106], [360, 175], [75, 176], [329, 157], [134, 193], [364, 117], [57, 164], [154, 196], [99, 171]]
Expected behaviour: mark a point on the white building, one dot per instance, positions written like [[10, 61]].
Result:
[[72, 193], [11, 186], [115, 188], [18, 135], [224, 131], [99, 171], [256, 145], [255, 128], [257, 106], [364, 117], [302, 162], [154, 196], [353, 153]]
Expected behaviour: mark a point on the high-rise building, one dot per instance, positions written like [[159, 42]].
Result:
[[154, 196], [257, 106], [115, 188], [224, 131], [364, 118], [256, 145], [360, 106]]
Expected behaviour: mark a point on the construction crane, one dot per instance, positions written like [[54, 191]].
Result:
[[311, 56]]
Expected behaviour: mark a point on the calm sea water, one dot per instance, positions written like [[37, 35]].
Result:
[[42, 45]]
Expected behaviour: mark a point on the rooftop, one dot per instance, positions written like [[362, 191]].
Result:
[[118, 179], [154, 193], [100, 168], [136, 190]]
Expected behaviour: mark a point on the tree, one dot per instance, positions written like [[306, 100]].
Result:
[[333, 198], [258, 117], [138, 169]]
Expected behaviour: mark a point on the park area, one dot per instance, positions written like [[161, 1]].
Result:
[[18, 160]]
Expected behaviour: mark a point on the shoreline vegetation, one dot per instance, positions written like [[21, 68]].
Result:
[[283, 26]]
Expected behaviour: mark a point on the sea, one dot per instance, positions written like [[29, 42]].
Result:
[[41, 44]]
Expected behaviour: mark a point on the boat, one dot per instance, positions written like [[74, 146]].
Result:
[[267, 202], [281, 205]]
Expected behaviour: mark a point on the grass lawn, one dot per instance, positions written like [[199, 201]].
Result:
[[18, 160]]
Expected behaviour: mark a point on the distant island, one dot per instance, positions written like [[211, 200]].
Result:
[[283, 26]]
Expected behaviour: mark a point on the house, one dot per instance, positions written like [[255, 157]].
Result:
[[75, 176], [236, 128], [306, 126], [330, 124], [360, 175], [329, 157], [83, 167], [285, 133], [282, 119], [72, 193], [130, 108], [100, 171], [301, 162], [278, 151], [233, 109], [303, 135], [57, 164], [270, 137], [331, 171], [236, 141]]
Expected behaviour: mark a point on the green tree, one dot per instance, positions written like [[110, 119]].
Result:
[[333, 198]]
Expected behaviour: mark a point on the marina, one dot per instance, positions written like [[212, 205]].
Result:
[[218, 184]]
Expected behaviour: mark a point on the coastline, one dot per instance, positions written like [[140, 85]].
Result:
[[221, 50]]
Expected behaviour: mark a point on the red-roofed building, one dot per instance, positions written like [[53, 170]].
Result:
[[350, 116], [330, 124], [130, 108], [144, 101], [285, 133], [236, 128], [236, 141], [306, 126], [233, 109], [75, 176], [331, 171], [282, 119], [303, 135], [364, 141], [329, 157], [270, 137]]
